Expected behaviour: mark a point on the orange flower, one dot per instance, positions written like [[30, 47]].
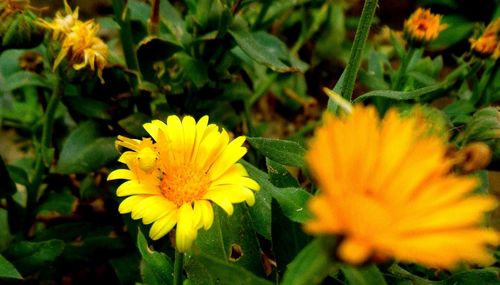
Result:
[[423, 26], [386, 187], [487, 43]]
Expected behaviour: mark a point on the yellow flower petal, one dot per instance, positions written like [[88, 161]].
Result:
[[231, 154], [186, 228], [162, 226], [121, 174], [134, 187]]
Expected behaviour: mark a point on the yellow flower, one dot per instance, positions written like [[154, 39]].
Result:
[[487, 43], [82, 47], [423, 26], [386, 187], [173, 179]]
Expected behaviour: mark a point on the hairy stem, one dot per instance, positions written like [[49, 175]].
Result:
[[43, 155], [358, 46]]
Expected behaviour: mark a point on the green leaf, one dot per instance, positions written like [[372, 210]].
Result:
[[84, 151], [310, 266], [5, 235], [401, 95], [7, 270], [459, 29], [479, 276], [29, 257], [139, 11], [9, 187], [133, 124], [288, 239], [230, 239], [56, 205], [25, 78], [281, 151], [172, 19], [151, 50], [88, 107], [194, 69], [157, 267], [279, 175], [366, 275], [292, 200], [226, 273], [126, 268], [264, 48], [18, 175]]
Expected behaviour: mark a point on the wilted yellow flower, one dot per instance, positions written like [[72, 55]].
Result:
[[423, 26], [62, 23], [487, 43], [80, 43], [82, 47], [173, 179], [386, 187]]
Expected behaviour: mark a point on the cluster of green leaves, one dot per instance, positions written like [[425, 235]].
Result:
[[215, 57]]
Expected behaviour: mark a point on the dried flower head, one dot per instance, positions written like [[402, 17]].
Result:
[[173, 179], [80, 44], [387, 189], [423, 26], [82, 47]]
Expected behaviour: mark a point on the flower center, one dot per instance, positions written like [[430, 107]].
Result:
[[184, 184]]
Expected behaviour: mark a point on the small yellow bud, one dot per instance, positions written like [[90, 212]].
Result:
[[147, 159]]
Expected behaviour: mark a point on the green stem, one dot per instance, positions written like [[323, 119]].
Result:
[[262, 14], [485, 81], [125, 34], [178, 266], [358, 46], [43, 155], [400, 81], [402, 273], [123, 19]]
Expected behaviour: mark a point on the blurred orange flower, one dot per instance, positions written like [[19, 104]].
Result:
[[386, 187]]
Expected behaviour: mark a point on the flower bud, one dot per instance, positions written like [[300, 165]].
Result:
[[472, 157], [423, 26], [484, 127]]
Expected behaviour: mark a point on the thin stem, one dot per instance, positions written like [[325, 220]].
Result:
[[248, 119], [123, 19], [402, 273], [154, 20], [399, 81], [262, 14], [358, 46], [486, 80], [178, 266], [43, 151]]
